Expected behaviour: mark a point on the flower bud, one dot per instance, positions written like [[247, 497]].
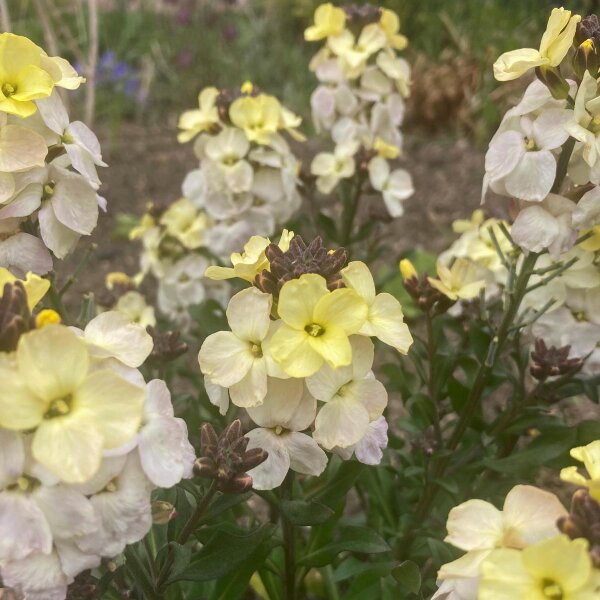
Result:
[[586, 59], [407, 270], [46, 317], [554, 81], [162, 512]]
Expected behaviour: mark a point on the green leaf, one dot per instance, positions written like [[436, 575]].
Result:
[[225, 549], [351, 539], [408, 574], [302, 513]]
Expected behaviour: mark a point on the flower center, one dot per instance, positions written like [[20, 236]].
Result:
[[530, 143], [59, 407], [23, 484], [314, 330], [8, 90], [256, 350], [279, 430], [111, 487], [551, 589]]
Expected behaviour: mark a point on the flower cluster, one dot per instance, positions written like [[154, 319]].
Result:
[[247, 184], [533, 547], [48, 178], [360, 98], [298, 357], [84, 440], [551, 136]]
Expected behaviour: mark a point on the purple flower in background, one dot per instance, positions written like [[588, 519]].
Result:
[[230, 32], [184, 59]]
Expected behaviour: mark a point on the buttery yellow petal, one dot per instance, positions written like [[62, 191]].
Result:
[[52, 361]]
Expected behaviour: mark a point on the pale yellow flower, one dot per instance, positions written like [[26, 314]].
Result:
[[385, 319], [329, 20], [461, 281], [553, 569], [252, 261], [186, 223], [407, 269], [22, 78], [390, 23], [258, 116], [204, 118], [590, 457], [316, 325], [74, 411], [555, 44], [386, 150]]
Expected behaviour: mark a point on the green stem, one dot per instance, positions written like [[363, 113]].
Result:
[[473, 401], [563, 164], [330, 587], [431, 383], [185, 534], [350, 211], [142, 578], [289, 542]]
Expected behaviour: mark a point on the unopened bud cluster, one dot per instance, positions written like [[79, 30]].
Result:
[[226, 459]]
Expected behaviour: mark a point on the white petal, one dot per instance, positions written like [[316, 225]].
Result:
[[535, 229], [23, 527], [341, 422], [74, 203], [587, 212], [218, 396], [68, 512], [12, 456], [54, 113], [369, 449], [58, 238], [251, 389], [549, 128], [115, 335], [224, 358], [474, 525], [305, 455], [532, 514], [248, 314], [165, 452], [39, 577], [158, 400], [271, 473], [532, 179], [285, 404], [504, 154]]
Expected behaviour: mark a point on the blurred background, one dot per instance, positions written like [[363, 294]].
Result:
[[146, 60]]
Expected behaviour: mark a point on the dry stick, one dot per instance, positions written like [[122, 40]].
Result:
[[5, 21], [90, 91], [49, 36]]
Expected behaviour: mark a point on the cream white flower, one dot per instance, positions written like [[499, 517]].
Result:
[[120, 495], [113, 334], [555, 44], [330, 168], [238, 359], [353, 54], [228, 149], [166, 456], [369, 449], [547, 225], [528, 516], [395, 186], [520, 161], [79, 141], [287, 410], [133, 305], [385, 319], [352, 396]]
